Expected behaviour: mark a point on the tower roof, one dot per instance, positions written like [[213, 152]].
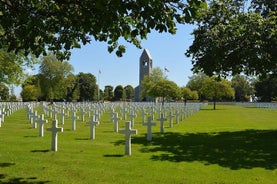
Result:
[[145, 53]]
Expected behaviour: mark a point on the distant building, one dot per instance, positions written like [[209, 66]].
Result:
[[145, 68]]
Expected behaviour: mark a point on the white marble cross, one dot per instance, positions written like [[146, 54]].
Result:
[[74, 118], [83, 112], [149, 125], [115, 120], [55, 129], [41, 124], [35, 119], [92, 124], [62, 115], [162, 119], [132, 117], [170, 116], [128, 132]]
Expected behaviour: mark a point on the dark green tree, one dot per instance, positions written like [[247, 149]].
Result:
[[108, 93], [118, 93], [129, 92], [34, 26], [229, 40], [87, 86], [266, 88]]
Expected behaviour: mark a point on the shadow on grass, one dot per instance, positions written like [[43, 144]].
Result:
[[235, 150], [6, 164], [40, 151], [4, 179], [31, 180], [114, 155]]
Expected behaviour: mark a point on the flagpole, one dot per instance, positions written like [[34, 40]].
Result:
[[98, 91]]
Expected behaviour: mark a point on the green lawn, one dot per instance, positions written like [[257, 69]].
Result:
[[233, 144]]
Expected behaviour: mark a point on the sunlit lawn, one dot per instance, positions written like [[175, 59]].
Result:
[[233, 144]]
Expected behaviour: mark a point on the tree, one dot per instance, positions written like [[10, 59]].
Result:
[[4, 92], [229, 41], [188, 94], [242, 88], [34, 26], [72, 88], [216, 88], [87, 86], [129, 92], [195, 83], [266, 88], [149, 81], [118, 93], [11, 66], [30, 93], [53, 74], [108, 93], [156, 85]]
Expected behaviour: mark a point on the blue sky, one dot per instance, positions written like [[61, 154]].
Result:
[[166, 50]]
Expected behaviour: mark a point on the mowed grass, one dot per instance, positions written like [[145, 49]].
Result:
[[233, 144]]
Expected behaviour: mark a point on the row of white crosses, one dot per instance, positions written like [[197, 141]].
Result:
[[8, 108], [127, 111]]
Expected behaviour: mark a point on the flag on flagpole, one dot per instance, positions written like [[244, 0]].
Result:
[[99, 71], [165, 69]]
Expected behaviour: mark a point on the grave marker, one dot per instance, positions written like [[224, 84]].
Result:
[[55, 129], [92, 124], [41, 124], [162, 119], [128, 132], [149, 125], [115, 120]]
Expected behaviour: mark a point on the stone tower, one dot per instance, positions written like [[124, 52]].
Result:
[[145, 65], [145, 68]]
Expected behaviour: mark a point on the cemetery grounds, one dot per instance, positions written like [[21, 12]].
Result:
[[233, 144]]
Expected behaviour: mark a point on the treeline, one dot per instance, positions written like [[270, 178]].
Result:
[[56, 82]]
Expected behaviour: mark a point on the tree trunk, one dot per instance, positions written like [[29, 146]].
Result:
[[214, 103]]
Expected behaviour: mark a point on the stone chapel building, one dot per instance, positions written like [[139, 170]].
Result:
[[145, 68]]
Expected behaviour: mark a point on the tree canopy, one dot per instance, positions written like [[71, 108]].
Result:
[[230, 40], [53, 74], [34, 26], [157, 85]]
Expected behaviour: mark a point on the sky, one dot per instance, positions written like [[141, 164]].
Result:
[[165, 49]]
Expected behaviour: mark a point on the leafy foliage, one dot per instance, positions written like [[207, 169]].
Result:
[[11, 66], [30, 93], [129, 92], [266, 88], [87, 86], [242, 88], [108, 92], [229, 40], [33, 25], [188, 94], [53, 74], [156, 85], [118, 92], [4, 92]]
